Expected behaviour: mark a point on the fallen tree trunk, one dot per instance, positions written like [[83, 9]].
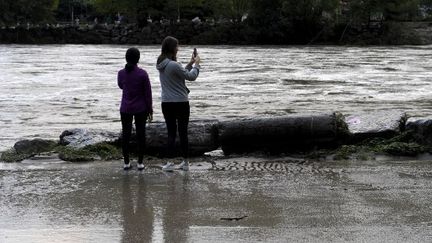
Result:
[[282, 134], [202, 138]]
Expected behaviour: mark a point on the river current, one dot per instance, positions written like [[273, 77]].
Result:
[[45, 89]]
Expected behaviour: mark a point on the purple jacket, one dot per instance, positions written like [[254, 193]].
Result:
[[137, 94]]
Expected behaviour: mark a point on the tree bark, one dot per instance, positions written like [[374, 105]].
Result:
[[202, 138], [282, 134]]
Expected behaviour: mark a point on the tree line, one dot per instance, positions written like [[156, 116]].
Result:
[[298, 20], [258, 11]]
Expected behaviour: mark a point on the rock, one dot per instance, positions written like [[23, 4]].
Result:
[[34, 146], [421, 129], [383, 124], [11, 155], [100, 151], [26, 149], [79, 138], [282, 134]]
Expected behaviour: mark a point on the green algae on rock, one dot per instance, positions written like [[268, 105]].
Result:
[[25, 149], [99, 151], [403, 144], [12, 155]]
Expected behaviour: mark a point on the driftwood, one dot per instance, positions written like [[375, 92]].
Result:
[[202, 138], [282, 134]]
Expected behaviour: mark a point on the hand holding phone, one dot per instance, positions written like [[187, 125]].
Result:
[[195, 53]]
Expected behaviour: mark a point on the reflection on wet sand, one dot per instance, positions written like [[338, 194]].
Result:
[[137, 211], [149, 216], [176, 216]]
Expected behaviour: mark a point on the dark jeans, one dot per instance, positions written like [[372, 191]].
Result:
[[140, 122], [176, 116]]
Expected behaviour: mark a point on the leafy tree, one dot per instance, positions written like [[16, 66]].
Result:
[[139, 10], [239, 8], [400, 9], [426, 8], [229, 9], [67, 10], [14, 11], [374, 10], [309, 12], [266, 18]]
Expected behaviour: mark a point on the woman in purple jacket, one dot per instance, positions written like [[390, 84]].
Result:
[[136, 103]]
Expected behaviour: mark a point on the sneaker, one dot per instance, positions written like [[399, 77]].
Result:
[[168, 167], [127, 166], [184, 165], [140, 166]]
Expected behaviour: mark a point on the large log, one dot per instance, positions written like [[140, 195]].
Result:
[[282, 134], [202, 138]]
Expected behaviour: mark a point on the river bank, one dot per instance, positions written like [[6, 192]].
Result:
[[327, 136], [203, 33]]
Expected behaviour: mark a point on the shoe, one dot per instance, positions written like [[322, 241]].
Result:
[[184, 165], [140, 166], [127, 166], [168, 167]]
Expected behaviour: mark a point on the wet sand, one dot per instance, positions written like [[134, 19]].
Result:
[[287, 201]]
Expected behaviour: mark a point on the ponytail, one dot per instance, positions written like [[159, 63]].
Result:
[[129, 67]]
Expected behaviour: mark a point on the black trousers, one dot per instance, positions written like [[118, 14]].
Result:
[[140, 122], [176, 116]]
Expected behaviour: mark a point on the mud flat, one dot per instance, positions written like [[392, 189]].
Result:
[[290, 200]]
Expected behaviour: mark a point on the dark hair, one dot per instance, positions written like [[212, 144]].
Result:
[[169, 45], [132, 58]]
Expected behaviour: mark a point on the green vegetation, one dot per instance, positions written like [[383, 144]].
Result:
[[12, 155], [23, 11], [27, 148], [401, 145], [100, 151]]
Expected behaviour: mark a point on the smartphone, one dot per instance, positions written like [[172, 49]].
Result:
[[195, 52]]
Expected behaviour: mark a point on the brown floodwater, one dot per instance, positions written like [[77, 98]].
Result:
[[46, 89]]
